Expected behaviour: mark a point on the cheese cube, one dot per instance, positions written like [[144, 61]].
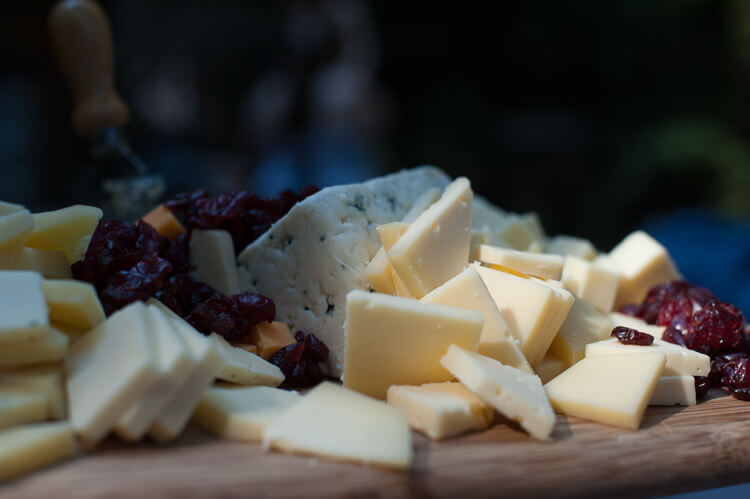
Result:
[[609, 389], [109, 370], [549, 367], [639, 324], [19, 405], [515, 234], [244, 368], [533, 309], [674, 390], [681, 361], [23, 310], [269, 337], [61, 230], [467, 291], [74, 303], [530, 221], [31, 447], [241, 412], [441, 410], [397, 341], [571, 246], [46, 378], [173, 364], [435, 247], [51, 264], [212, 256], [164, 222], [594, 283], [50, 347], [517, 395], [533, 264], [332, 421], [642, 263], [15, 229], [583, 325]]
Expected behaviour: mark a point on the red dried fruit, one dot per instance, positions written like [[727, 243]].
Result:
[[680, 311], [629, 336], [702, 385], [717, 327], [301, 361], [231, 316]]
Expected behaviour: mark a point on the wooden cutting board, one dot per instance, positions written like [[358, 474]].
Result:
[[676, 450]]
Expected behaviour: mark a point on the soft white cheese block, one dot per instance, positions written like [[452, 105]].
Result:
[[583, 325], [571, 246], [243, 367], [594, 283], [241, 412], [47, 378], [681, 361], [638, 324], [535, 264], [332, 421], [213, 260], [399, 341], [23, 310], [20, 405], [610, 389], [435, 246], [30, 447], [517, 395], [110, 369], [441, 410], [549, 367], [314, 255], [674, 390], [73, 303], [50, 347], [174, 363], [467, 290]]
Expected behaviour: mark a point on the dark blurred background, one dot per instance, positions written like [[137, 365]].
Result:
[[600, 116]]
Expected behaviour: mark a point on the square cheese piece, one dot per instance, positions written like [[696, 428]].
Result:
[[517, 395], [61, 230], [212, 256], [642, 263], [46, 378], [638, 324], [435, 247], [270, 337], [549, 367], [31, 447], [109, 370], [164, 222], [332, 421], [241, 412], [23, 310], [73, 303], [609, 389], [244, 368], [441, 410], [674, 390], [398, 341], [681, 361], [513, 233], [50, 347], [534, 264], [592, 282], [467, 290], [571, 246], [583, 325]]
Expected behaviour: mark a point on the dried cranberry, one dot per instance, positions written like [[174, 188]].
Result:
[[301, 361], [718, 328], [702, 385], [231, 316], [629, 336], [679, 310], [257, 308], [741, 393]]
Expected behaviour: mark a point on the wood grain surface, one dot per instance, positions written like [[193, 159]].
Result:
[[676, 450]]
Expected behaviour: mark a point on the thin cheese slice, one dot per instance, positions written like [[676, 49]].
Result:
[[583, 325], [335, 422], [610, 389], [74, 303], [23, 309], [51, 264], [515, 394], [398, 341], [30, 447], [535, 264], [212, 256], [593, 282], [674, 390], [20, 405], [244, 368], [50, 347], [61, 230], [47, 378], [681, 361], [441, 410], [241, 412]]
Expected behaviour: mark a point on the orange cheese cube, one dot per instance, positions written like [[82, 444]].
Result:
[[165, 223], [269, 337]]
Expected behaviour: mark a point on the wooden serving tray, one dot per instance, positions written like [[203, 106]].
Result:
[[676, 450]]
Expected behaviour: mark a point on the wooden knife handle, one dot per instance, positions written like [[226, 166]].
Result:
[[82, 40]]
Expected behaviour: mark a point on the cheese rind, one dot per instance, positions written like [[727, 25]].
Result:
[[212, 256], [594, 283], [30, 447], [332, 421], [244, 368], [398, 341], [534, 264], [583, 325], [681, 361], [517, 395], [74, 303], [674, 390]]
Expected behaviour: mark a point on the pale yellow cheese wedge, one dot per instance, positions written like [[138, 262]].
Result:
[[212, 257], [435, 247], [681, 361], [31, 447], [241, 412], [574, 246], [535, 264], [15, 229], [441, 410], [73, 303], [51, 264], [62, 229], [517, 395], [7, 208], [244, 368], [23, 310], [398, 341], [609, 389], [48, 379], [73, 334], [514, 233], [467, 290], [592, 282], [332, 421], [20, 405], [674, 390], [77, 251], [583, 325], [549, 367], [50, 347]]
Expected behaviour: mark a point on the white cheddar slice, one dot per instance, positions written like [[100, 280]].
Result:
[[517, 395], [609, 389], [244, 368], [467, 290], [571, 246], [435, 247], [241, 412], [174, 363], [639, 324], [61, 230], [30, 447], [109, 370], [594, 283], [398, 341], [212, 256], [549, 367], [51, 264], [23, 310], [74, 303], [47, 378], [583, 325], [15, 228], [390, 233], [335, 422], [441, 410], [20, 405], [681, 361], [50, 347], [534, 264], [674, 390]]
